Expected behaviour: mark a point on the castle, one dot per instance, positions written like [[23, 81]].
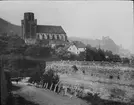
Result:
[[31, 32]]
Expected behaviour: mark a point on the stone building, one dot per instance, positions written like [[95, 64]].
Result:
[[31, 31]]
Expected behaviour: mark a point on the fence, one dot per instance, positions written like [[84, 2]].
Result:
[[63, 89]]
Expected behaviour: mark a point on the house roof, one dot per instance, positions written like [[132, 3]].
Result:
[[76, 43], [67, 46], [50, 29], [79, 44]]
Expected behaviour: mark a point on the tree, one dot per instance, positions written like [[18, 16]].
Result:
[[132, 60], [101, 54], [116, 58], [82, 56], [38, 51], [3, 44], [125, 60], [50, 77], [15, 42]]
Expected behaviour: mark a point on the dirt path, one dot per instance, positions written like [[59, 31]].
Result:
[[46, 97]]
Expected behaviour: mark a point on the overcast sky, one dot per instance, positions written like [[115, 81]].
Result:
[[85, 19]]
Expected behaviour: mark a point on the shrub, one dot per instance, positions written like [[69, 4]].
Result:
[[50, 77], [110, 77], [117, 93], [75, 69]]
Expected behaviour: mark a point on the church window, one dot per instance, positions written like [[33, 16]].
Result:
[[48, 36], [38, 36], [43, 37], [55, 36], [58, 37], [63, 37]]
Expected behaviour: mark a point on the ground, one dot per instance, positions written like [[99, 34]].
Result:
[[45, 97], [106, 90]]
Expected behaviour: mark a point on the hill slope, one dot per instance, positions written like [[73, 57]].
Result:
[[9, 28], [105, 43]]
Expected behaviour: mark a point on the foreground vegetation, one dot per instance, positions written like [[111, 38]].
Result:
[[14, 52]]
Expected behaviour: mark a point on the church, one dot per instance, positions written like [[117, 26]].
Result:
[[31, 32]]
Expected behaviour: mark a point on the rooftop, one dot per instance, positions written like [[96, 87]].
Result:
[[79, 44], [50, 29]]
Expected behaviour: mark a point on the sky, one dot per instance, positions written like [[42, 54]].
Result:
[[84, 19]]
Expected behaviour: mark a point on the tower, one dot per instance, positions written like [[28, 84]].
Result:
[[29, 25]]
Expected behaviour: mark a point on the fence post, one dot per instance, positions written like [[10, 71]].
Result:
[[59, 88], [75, 93], [55, 87], [51, 86], [65, 91], [46, 85], [42, 85]]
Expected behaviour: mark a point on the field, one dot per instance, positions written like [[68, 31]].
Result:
[[110, 81]]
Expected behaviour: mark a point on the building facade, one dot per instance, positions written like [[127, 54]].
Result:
[[75, 47], [31, 32], [76, 50]]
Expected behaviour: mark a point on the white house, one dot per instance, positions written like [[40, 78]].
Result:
[[76, 47]]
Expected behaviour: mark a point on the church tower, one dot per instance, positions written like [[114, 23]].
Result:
[[29, 25]]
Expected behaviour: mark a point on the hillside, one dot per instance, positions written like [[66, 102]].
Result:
[[9, 28], [105, 43]]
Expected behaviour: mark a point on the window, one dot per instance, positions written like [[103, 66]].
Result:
[[48, 36], [57, 36], [53, 36], [38, 36], [43, 37], [60, 37]]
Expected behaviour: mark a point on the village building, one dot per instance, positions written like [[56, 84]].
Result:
[[31, 32], [76, 47]]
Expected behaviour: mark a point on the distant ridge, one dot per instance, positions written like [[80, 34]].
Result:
[[105, 43], [9, 28]]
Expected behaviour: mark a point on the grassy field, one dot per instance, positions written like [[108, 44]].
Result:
[[109, 91], [110, 82]]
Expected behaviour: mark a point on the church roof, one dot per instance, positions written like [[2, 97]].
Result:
[[50, 29]]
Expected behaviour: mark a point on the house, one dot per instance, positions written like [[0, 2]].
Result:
[[76, 47]]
